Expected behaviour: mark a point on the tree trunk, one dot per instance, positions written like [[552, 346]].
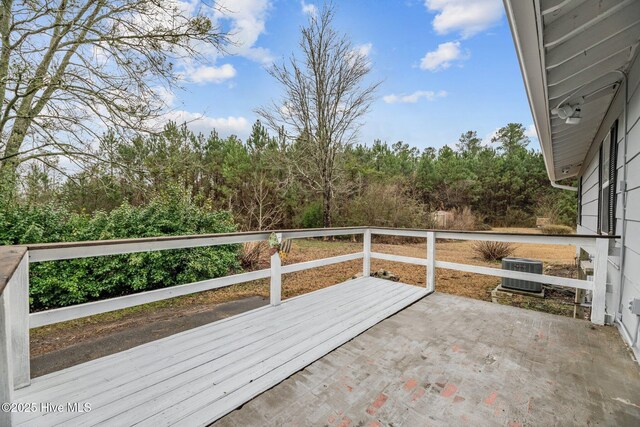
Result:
[[9, 169], [9, 166], [326, 207]]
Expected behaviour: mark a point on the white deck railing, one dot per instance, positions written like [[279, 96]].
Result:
[[54, 252], [16, 320]]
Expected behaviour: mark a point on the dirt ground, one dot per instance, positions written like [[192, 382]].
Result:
[[558, 260]]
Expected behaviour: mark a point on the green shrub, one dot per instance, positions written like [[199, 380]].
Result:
[[62, 283], [556, 229], [312, 216]]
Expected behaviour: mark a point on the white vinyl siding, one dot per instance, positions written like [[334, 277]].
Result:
[[633, 172], [590, 194]]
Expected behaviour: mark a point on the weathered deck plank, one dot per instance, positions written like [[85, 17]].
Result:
[[233, 352], [197, 376], [243, 325]]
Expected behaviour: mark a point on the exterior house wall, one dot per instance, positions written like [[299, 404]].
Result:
[[589, 218], [629, 271]]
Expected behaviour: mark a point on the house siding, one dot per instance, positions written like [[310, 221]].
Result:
[[589, 219], [630, 287]]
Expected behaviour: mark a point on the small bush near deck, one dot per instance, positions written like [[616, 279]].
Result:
[[556, 229], [251, 253], [493, 251]]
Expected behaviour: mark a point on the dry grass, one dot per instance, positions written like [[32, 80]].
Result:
[[476, 286], [556, 229]]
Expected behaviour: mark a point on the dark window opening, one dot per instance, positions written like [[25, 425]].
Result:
[[579, 222], [607, 179]]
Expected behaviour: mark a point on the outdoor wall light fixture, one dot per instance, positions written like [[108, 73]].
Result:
[[568, 112]]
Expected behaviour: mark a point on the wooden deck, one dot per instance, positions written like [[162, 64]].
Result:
[[198, 376]]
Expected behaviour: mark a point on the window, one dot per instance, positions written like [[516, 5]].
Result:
[[608, 166]]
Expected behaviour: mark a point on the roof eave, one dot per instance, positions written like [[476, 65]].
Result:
[[525, 21]]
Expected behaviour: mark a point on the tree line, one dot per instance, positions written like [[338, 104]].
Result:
[[259, 181], [181, 182]]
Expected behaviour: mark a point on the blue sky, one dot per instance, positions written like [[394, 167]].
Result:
[[446, 66]]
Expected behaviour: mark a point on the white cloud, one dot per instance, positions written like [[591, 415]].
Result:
[[248, 18], [443, 57], [167, 96], [309, 9], [364, 49], [243, 20], [197, 122], [486, 141], [468, 17], [209, 74], [258, 54], [100, 55], [414, 97], [359, 51], [287, 110], [531, 131], [163, 14]]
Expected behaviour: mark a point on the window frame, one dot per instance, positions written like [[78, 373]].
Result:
[[580, 188], [607, 184]]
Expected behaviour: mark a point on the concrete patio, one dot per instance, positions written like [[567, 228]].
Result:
[[448, 360]]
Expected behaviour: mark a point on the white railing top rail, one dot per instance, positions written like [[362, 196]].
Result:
[[549, 239], [84, 249]]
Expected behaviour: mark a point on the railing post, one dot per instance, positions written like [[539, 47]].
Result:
[[275, 291], [599, 282], [17, 292], [366, 249], [6, 375], [431, 261]]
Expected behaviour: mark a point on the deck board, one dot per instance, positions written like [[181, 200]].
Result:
[[185, 345], [197, 376], [239, 324], [180, 380]]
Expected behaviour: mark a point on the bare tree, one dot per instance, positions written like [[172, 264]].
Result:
[[265, 182], [71, 68], [262, 212], [324, 101]]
